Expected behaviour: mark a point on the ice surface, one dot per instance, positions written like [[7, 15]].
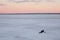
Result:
[[27, 27]]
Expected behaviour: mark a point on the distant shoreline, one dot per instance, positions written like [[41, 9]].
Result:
[[25, 13]]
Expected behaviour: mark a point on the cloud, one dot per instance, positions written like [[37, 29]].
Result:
[[17, 1], [2, 4]]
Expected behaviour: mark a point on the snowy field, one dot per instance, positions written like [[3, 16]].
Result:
[[27, 27]]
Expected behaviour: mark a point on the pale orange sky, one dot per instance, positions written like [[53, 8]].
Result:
[[29, 7]]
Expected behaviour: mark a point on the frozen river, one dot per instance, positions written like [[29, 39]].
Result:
[[27, 27]]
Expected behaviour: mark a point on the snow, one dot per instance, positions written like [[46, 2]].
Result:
[[27, 27]]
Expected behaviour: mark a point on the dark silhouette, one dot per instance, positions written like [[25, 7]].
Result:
[[42, 31]]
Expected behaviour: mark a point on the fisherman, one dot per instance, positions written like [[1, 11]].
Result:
[[42, 31]]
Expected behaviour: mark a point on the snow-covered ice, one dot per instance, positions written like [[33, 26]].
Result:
[[27, 27]]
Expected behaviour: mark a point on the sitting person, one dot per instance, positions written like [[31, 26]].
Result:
[[42, 31]]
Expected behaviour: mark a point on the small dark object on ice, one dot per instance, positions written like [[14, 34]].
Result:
[[42, 31]]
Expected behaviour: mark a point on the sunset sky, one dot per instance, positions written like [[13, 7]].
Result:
[[10, 6]]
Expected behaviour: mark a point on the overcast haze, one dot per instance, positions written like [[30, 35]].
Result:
[[16, 6]]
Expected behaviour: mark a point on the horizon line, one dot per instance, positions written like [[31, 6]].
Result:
[[25, 13]]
